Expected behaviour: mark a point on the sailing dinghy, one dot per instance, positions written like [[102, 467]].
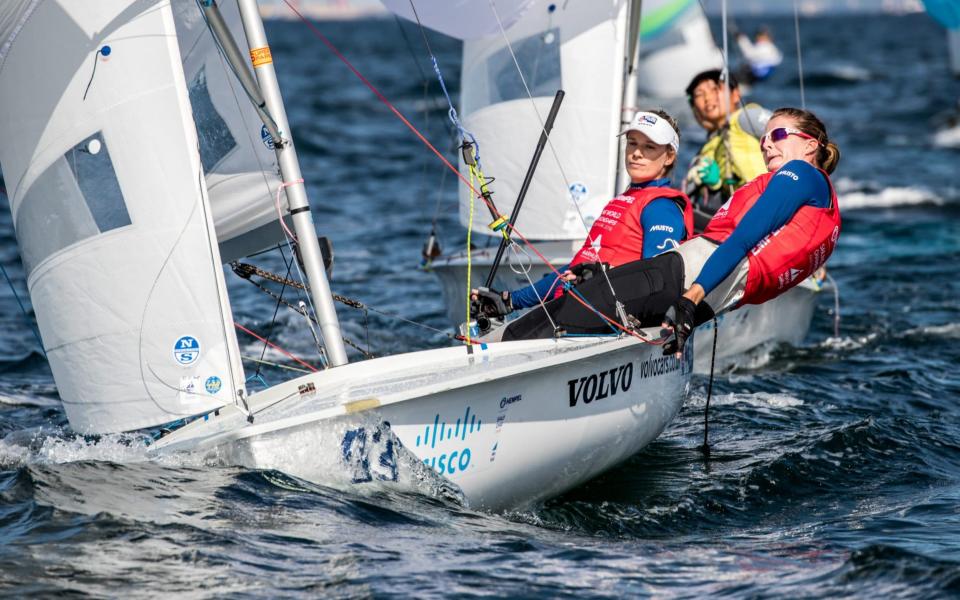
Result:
[[591, 49], [117, 145]]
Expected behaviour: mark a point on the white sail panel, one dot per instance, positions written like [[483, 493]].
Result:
[[99, 154], [675, 45], [240, 166], [462, 19], [576, 46]]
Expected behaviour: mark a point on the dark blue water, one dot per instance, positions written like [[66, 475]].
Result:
[[836, 466]]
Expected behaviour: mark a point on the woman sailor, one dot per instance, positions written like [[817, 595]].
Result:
[[772, 234], [647, 219]]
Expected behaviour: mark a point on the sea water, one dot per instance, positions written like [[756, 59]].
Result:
[[835, 468]]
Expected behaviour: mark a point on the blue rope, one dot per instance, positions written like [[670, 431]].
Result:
[[258, 377], [23, 310], [452, 112]]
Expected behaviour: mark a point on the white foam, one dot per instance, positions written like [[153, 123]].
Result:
[[759, 399], [948, 330], [27, 400], [947, 138], [53, 446], [848, 343], [889, 197]]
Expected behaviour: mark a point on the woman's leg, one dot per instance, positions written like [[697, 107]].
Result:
[[647, 288]]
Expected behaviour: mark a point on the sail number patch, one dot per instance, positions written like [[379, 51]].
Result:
[[598, 386]]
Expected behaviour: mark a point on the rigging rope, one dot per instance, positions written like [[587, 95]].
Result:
[[276, 347], [796, 28], [23, 310], [465, 136], [556, 156], [245, 271], [705, 448], [514, 231]]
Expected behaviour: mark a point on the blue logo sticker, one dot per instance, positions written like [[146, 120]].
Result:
[[266, 137], [578, 191], [187, 350], [213, 384]]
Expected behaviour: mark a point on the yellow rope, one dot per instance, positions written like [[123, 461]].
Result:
[[466, 333]]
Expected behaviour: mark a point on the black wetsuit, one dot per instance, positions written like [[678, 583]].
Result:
[[647, 288]]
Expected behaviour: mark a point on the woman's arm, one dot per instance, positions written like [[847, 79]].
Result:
[[526, 297], [662, 225], [796, 184]]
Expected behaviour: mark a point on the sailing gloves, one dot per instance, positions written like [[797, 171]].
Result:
[[682, 317], [705, 172], [486, 304], [586, 271]]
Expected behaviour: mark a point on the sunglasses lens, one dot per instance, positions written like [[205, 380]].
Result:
[[779, 134]]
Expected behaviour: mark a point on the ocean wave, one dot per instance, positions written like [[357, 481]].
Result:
[[46, 446], [889, 197], [947, 330], [14, 399], [759, 399], [947, 138], [848, 343]]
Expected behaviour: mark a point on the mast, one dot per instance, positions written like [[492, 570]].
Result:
[[297, 201], [628, 102]]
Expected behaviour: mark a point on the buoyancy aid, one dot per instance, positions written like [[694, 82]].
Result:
[[786, 256], [616, 237]]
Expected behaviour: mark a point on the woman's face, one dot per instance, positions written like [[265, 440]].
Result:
[[646, 160], [795, 146]]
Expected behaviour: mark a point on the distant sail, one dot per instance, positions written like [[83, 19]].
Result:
[[675, 45], [576, 46], [462, 19], [99, 153]]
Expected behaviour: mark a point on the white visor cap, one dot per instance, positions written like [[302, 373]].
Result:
[[654, 127]]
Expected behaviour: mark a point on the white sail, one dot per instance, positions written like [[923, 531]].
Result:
[[675, 45], [237, 156], [462, 19], [106, 187], [576, 46]]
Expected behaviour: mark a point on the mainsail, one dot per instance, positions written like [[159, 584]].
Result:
[[106, 186]]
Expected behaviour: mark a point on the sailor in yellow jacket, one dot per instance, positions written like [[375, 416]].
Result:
[[731, 156]]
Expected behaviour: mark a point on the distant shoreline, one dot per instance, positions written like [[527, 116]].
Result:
[[323, 12]]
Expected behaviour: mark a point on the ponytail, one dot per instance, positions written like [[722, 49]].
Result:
[[830, 157]]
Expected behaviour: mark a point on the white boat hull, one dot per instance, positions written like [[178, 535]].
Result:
[[744, 333], [513, 424], [747, 333]]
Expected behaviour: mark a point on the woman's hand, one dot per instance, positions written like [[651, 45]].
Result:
[[681, 319]]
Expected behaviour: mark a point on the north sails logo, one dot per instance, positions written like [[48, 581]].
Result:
[[598, 386]]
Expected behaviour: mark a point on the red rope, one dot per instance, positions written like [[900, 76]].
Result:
[[442, 158], [276, 347]]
